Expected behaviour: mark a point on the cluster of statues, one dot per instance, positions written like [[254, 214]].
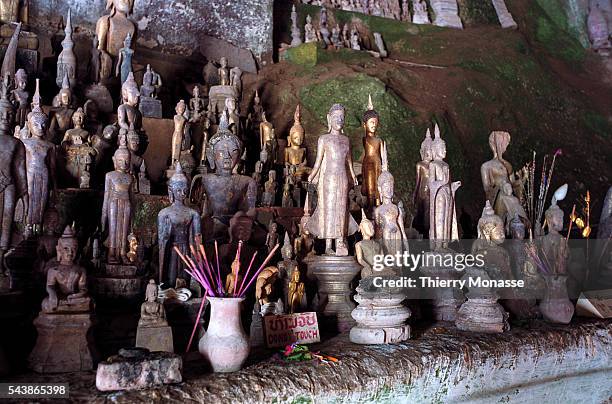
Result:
[[338, 37]]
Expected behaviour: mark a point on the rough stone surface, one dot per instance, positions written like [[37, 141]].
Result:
[[140, 372], [178, 27], [155, 338]]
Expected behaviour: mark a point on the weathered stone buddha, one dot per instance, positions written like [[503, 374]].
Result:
[[112, 29], [13, 185], [197, 106], [511, 207], [287, 266], [295, 154], [371, 163], [129, 116], [496, 171], [124, 61], [554, 245], [152, 313], [331, 219], [269, 196], [40, 165], [151, 82], [442, 215], [366, 249], [256, 112], [421, 189], [153, 332], [310, 35], [117, 208], [20, 97], [177, 226], [61, 113]]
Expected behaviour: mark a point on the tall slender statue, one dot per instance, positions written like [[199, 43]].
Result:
[[117, 207], [372, 146], [67, 61], [421, 189], [13, 178], [442, 216], [124, 62], [40, 165], [223, 72], [331, 219], [20, 97], [113, 28], [180, 122], [177, 226], [496, 172]]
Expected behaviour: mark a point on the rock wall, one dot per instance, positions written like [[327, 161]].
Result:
[[176, 26]]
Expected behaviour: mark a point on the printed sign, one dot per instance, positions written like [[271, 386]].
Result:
[[283, 330]]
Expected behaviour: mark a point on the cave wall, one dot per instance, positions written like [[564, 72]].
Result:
[[174, 26]]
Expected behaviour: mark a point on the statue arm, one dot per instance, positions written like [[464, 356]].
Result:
[[319, 159], [107, 190], [163, 226], [52, 168], [359, 255], [349, 160], [51, 283], [122, 118], [19, 170], [102, 28], [486, 181], [118, 66]]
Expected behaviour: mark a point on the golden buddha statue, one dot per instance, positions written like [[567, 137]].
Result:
[[267, 137], [295, 154], [371, 162], [296, 292], [233, 279], [13, 11]]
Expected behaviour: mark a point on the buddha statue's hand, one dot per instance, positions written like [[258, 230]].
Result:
[[53, 302]]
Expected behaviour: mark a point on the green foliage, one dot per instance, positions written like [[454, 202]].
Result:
[[551, 31], [304, 55]]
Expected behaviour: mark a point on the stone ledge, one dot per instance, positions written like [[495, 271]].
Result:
[[540, 362]]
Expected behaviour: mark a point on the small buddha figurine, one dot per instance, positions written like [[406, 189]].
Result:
[[366, 249], [272, 236], [372, 161], [178, 226], [224, 192], [61, 119], [20, 97], [421, 189], [491, 236], [295, 154], [76, 136], [77, 148], [296, 294], [257, 111], [287, 266], [511, 207], [128, 114], [554, 245], [387, 216], [124, 63], [40, 165], [267, 138], [117, 208], [236, 79], [144, 184], [355, 41], [233, 279], [133, 145], [112, 29], [331, 219], [310, 34], [151, 82], [442, 216], [152, 313], [287, 200], [496, 171], [296, 35], [223, 72], [66, 280], [234, 118], [336, 38], [264, 285], [269, 195], [12, 170], [197, 106], [180, 121], [303, 244]]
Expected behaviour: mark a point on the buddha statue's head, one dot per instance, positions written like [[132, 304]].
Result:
[[224, 150], [223, 62], [366, 227], [196, 91], [120, 6], [491, 226], [230, 104], [65, 94], [370, 118], [37, 122], [271, 175], [151, 292], [438, 146], [133, 141], [273, 227], [7, 111], [51, 221], [78, 118], [241, 227], [386, 185], [257, 100], [128, 87], [506, 188], [335, 118], [498, 142], [133, 96], [426, 154], [517, 228], [21, 79], [67, 247], [178, 185], [296, 133], [287, 248], [180, 107], [121, 159], [554, 218], [109, 132]]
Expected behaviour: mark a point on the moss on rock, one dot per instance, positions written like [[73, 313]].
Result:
[[304, 55]]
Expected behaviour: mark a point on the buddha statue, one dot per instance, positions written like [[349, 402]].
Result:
[[295, 154], [267, 138], [124, 62], [66, 60], [257, 112], [197, 106], [151, 82], [366, 249], [287, 266], [421, 189], [117, 207], [20, 97], [113, 28], [14, 185], [310, 35], [40, 165], [371, 163], [269, 196], [331, 219], [178, 226], [272, 236], [554, 245], [234, 118], [236, 80], [61, 116], [511, 207], [180, 122], [303, 245], [491, 236], [442, 215], [133, 145], [233, 279], [152, 313], [223, 72], [496, 171], [264, 285], [66, 280], [129, 116], [297, 293], [387, 216], [76, 136]]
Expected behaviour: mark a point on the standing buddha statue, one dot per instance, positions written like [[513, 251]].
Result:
[[372, 161], [421, 189], [112, 29]]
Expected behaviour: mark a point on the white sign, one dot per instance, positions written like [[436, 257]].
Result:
[[283, 330]]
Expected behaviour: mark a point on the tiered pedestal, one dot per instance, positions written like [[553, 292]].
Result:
[[445, 301], [63, 343], [482, 314], [334, 276], [150, 107]]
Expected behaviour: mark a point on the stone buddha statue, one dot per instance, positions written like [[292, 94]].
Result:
[[223, 72], [371, 163], [117, 208], [61, 113], [511, 207], [180, 124], [554, 245], [178, 226], [331, 219], [76, 136], [442, 216], [66, 280], [496, 171], [287, 266], [13, 177], [256, 111], [421, 189], [296, 294], [224, 192], [151, 82], [197, 106], [152, 313], [113, 28], [128, 114], [491, 236], [366, 249], [295, 154], [40, 165], [20, 97]]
